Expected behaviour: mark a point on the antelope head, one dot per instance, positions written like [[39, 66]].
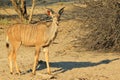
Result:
[[55, 15]]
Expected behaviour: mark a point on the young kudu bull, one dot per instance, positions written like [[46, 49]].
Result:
[[39, 36]]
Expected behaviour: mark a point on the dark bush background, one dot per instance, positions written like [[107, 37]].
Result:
[[103, 19]]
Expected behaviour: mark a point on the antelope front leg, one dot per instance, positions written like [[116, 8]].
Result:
[[36, 59], [47, 59]]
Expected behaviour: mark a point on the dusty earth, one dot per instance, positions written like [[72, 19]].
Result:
[[66, 63]]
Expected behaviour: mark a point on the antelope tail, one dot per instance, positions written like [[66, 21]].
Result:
[[7, 42]]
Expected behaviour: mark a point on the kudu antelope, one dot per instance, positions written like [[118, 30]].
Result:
[[39, 36]]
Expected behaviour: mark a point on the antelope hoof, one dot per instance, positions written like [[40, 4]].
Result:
[[11, 73], [18, 73], [49, 73], [33, 73]]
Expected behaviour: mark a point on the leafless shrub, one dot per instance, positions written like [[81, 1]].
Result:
[[104, 26]]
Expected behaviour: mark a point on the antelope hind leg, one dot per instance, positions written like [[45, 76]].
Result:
[[10, 61]]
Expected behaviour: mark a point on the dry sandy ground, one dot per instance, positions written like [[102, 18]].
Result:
[[65, 62]]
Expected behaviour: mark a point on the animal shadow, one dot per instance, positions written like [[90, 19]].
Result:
[[69, 65]]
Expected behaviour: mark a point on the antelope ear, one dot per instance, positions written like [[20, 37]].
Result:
[[49, 11], [61, 11]]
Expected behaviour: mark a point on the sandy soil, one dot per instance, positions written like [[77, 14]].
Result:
[[65, 62]]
